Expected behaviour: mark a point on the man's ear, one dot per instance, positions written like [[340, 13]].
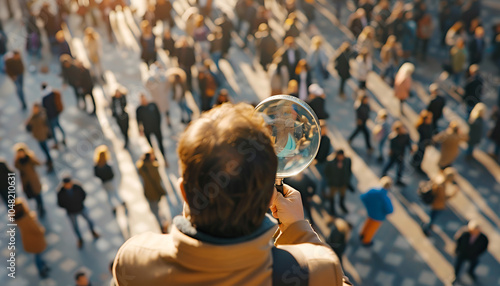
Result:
[[180, 181]]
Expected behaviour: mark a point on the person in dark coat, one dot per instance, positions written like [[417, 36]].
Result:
[[290, 57], [324, 150], [471, 243], [473, 90], [266, 46], [85, 86], [151, 181], [477, 46], [186, 58], [208, 84], [399, 142], [71, 197], [148, 45], [52, 102], [436, 105], [149, 122], [168, 43], [357, 22], [362, 115], [14, 68], [227, 27], [317, 102], [6, 173], [338, 177], [342, 66], [307, 188], [340, 231], [163, 9], [118, 109], [70, 74], [38, 126], [424, 128]]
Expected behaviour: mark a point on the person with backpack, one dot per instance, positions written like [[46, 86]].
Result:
[[52, 102], [225, 236], [440, 195]]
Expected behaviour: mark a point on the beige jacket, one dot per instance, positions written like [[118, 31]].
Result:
[[179, 259]]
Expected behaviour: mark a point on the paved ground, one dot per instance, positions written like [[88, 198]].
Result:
[[402, 255]]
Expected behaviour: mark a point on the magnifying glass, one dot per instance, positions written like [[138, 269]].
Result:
[[295, 131]]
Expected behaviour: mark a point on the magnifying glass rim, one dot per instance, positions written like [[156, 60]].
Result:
[[308, 109]]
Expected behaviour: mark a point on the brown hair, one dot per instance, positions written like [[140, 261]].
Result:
[[228, 165]]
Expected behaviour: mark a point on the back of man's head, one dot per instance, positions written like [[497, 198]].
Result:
[[228, 166]]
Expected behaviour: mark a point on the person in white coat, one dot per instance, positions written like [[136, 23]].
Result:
[[365, 65], [159, 87], [93, 46]]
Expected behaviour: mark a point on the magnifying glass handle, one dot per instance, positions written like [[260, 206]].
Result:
[[279, 185]]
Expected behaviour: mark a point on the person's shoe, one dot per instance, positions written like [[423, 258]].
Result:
[[93, 113], [95, 234], [55, 146], [380, 159], [64, 142], [50, 167], [369, 244], [114, 211], [80, 243], [400, 183]]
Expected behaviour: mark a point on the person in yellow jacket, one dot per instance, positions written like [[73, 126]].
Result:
[[32, 234], [224, 237]]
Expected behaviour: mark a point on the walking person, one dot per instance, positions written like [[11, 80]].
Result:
[[340, 233], [436, 105], [343, 67], [476, 127], [14, 68], [70, 76], [324, 150], [378, 205], [208, 84], [304, 78], [318, 61], [85, 87], [266, 46], [151, 180], [148, 43], [186, 58], [473, 90], [362, 115], [425, 132], [149, 122], [403, 82], [158, 85], [179, 89], [32, 235], [71, 197], [471, 244], [390, 55], [26, 162], [399, 141], [381, 132], [338, 178], [104, 172], [365, 66], [290, 58], [118, 109], [52, 103], [458, 60], [37, 125], [93, 46], [440, 188], [450, 140]]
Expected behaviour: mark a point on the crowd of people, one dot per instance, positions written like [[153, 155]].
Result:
[[391, 37]]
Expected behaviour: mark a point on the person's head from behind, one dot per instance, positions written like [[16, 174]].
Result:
[[21, 150], [479, 32], [434, 89], [473, 69], [460, 43], [385, 182], [66, 60], [67, 183], [453, 127], [81, 279], [398, 127], [382, 115], [473, 227], [36, 108], [340, 155], [228, 166], [101, 155]]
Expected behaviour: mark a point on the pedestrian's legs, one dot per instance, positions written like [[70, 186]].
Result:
[[381, 148], [342, 85], [366, 133], [331, 197], [85, 215], [470, 150], [40, 264], [39, 205], [458, 265], [401, 104], [19, 89], [401, 165], [472, 266], [342, 199], [45, 149], [356, 131], [52, 125], [425, 45], [148, 137], [153, 205], [93, 101], [159, 139], [123, 124], [419, 156], [73, 218], [391, 161], [369, 229]]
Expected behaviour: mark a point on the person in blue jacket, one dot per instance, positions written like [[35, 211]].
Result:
[[378, 205]]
